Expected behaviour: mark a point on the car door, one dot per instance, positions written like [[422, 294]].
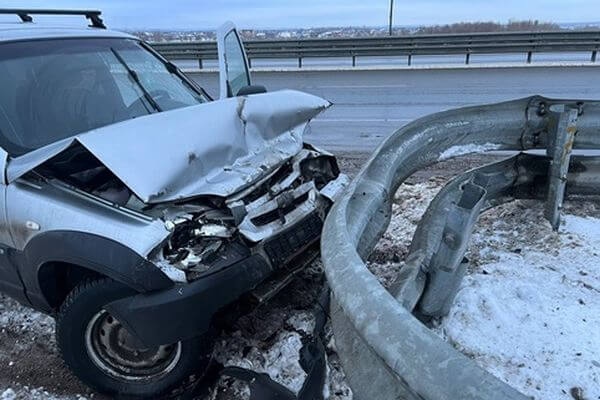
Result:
[[10, 282], [234, 72]]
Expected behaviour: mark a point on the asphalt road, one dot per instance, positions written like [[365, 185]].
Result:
[[368, 105]]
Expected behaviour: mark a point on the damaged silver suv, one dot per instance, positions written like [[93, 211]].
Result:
[[135, 208]]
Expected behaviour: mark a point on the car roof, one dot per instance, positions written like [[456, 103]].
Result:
[[18, 31]]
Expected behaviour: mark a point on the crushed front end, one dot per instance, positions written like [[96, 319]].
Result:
[[276, 217], [250, 243]]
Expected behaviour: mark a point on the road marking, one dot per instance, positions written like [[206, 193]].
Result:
[[364, 120], [359, 86]]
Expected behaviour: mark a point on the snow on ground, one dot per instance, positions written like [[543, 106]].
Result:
[[529, 308], [269, 339]]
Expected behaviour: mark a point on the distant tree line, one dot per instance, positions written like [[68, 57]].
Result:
[[353, 31], [475, 27]]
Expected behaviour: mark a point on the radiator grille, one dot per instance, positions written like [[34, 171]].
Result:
[[288, 243]]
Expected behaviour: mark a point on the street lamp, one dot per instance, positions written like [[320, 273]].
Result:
[[391, 15]]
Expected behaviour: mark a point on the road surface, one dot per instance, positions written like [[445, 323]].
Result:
[[368, 105]]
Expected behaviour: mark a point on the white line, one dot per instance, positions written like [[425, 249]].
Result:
[[363, 120], [360, 86]]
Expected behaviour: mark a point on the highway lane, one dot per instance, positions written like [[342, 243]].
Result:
[[368, 105]]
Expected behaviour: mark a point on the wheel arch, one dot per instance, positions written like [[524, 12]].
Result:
[[56, 260]]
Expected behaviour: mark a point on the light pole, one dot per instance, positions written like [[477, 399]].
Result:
[[391, 15]]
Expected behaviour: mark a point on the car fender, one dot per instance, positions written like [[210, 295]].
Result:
[[96, 253]]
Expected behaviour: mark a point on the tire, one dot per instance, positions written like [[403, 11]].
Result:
[[102, 354]]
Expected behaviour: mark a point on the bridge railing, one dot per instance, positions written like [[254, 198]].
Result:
[[411, 45]]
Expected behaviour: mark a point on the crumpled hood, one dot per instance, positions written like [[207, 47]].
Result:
[[215, 148]]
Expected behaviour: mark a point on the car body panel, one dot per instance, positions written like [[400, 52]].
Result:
[[32, 31], [36, 209], [215, 148]]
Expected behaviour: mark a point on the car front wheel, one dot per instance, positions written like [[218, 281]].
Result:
[[105, 356]]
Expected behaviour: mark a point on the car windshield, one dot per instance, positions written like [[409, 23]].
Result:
[[54, 89]]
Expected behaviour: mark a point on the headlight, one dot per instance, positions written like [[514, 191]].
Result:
[[321, 169]]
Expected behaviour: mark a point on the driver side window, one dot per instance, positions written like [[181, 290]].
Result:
[[235, 63]]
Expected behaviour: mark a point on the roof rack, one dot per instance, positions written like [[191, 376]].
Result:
[[25, 14]]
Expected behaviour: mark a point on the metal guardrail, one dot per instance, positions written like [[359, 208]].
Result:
[[467, 44], [382, 338]]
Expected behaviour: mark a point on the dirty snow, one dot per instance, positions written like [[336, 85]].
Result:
[[269, 339], [528, 310]]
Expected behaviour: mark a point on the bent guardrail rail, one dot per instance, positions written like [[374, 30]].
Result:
[[408, 45], [386, 351]]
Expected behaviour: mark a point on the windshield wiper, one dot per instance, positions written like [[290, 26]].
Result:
[[136, 79]]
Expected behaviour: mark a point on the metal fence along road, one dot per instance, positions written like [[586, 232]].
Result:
[[411, 45]]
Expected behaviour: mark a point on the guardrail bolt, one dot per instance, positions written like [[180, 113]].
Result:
[[450, 239]]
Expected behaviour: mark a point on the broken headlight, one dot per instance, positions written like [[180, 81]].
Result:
[[194, 245], [321, 169]]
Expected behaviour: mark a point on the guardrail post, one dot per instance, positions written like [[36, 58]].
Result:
[[249, 62], [354, 61], [563, 129], [200, 63], [529, 56], [299, 62], [594, 54], [409, 59], [467, 58]]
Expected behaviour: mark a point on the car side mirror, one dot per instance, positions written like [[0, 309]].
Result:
[[251, 89]]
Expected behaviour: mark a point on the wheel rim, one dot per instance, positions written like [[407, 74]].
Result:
[[118, 353]]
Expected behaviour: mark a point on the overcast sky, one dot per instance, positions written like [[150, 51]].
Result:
[[207, 14]]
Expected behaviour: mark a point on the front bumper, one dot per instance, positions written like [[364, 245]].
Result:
[[185, 310]]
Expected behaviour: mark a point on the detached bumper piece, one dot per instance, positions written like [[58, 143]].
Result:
[[185, 311]]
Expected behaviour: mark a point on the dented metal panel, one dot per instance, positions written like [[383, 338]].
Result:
[[215, 148]]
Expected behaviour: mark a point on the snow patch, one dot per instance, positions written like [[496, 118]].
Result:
[[280, 361], [530, 317], [8, 394]]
